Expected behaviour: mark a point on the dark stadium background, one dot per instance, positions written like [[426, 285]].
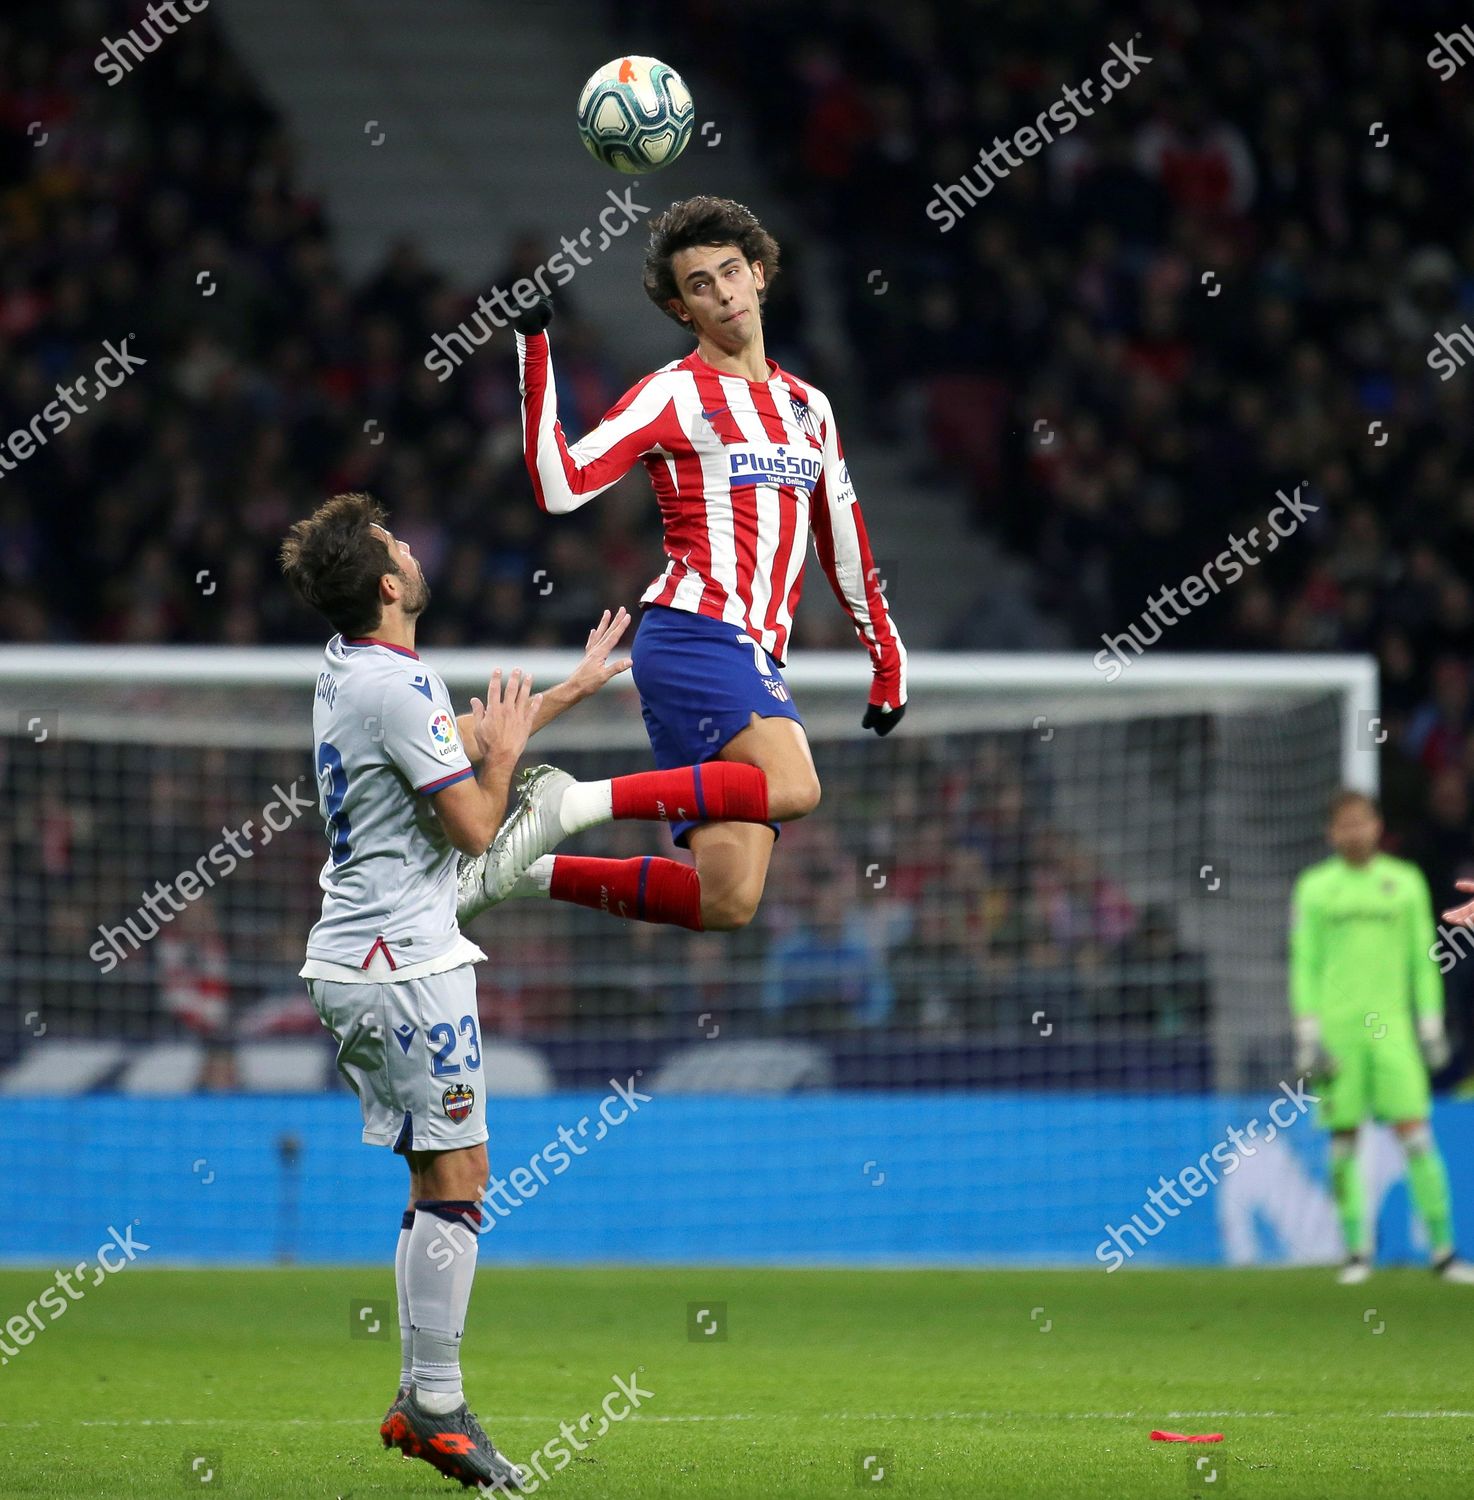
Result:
[[1052, 379]]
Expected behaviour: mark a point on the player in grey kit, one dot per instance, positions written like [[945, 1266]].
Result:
[[404, 788]]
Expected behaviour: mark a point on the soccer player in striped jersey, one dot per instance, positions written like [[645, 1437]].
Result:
[[747, 466]]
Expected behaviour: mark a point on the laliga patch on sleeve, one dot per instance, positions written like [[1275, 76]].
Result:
[[443, 738]]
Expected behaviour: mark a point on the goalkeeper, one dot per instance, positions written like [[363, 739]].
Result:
[[1367, 999]]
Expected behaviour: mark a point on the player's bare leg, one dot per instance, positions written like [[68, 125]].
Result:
[[780, 749], [551, 806], [430, 1419], [732, 869], [732, 858], [731, 853]]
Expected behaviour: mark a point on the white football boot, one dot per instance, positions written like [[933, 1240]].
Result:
[[534, 828], [1452, 1267], [1355, 1270]]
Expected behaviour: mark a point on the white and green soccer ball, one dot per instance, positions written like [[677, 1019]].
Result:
[[635, 114]]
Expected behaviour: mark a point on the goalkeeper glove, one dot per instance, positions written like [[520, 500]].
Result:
[[882, 719], [884, 712], [1433, 1040], [535, 318], [1311, 1058]]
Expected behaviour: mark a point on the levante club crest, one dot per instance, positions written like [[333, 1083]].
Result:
[[458, 1099]]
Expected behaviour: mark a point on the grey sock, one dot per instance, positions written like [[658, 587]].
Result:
[[401, 1260], [440, 1267]]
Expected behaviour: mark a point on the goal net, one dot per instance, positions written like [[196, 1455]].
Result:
[[1043, 885]]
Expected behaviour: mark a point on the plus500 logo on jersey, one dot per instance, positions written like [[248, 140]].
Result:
[[749, 465]]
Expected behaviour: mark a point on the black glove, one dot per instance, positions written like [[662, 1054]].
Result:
[[535, 318], [882, 720]]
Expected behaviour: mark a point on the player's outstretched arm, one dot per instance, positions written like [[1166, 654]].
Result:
[[534, 319], [598, 666], [471, 810], [564, 477], [843, 549]]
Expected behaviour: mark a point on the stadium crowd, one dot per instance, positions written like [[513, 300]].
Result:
[[987, 909], [1212, 290], [1223, 284]]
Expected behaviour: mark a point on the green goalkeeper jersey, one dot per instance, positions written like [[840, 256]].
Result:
[[1360, 942]]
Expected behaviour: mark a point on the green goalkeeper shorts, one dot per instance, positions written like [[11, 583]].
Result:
[[1377, 1078]]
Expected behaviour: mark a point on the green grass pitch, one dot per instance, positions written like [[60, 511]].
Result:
[[967, 1383]]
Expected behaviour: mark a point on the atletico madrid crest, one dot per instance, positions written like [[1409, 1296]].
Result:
[[804, 416]]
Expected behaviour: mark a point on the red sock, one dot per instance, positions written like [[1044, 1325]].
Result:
[[644, 890], [718, 791]]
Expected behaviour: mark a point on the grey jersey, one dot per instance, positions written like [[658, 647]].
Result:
[[385, 742]]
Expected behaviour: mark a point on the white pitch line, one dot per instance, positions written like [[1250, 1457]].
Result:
[[748, 1416]]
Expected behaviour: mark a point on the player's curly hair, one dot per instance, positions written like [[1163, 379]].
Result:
[[334, 562], [703, 220]]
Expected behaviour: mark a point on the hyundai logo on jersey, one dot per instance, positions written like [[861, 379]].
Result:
[[751, 465], [846, 492]]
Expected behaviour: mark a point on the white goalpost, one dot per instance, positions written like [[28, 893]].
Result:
[[1230, 680], [1042, 871]]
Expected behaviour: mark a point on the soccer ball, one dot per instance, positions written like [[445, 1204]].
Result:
[[635, 115]]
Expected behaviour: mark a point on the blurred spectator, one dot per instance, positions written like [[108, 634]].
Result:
[[829, 967], [155, 517]]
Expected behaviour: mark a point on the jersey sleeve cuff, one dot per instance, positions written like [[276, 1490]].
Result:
[[431, 787]]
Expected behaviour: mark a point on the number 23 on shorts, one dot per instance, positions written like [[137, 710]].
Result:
[[444, 1038]]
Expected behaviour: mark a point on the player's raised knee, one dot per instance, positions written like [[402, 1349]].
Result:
[[728, 907], [793, 797]]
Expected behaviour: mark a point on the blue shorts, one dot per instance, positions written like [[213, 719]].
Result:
[[700, 682]]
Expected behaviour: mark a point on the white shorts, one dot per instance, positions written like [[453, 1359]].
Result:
[[411, 1051]]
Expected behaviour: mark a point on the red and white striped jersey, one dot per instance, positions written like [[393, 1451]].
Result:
[[744, 470]]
